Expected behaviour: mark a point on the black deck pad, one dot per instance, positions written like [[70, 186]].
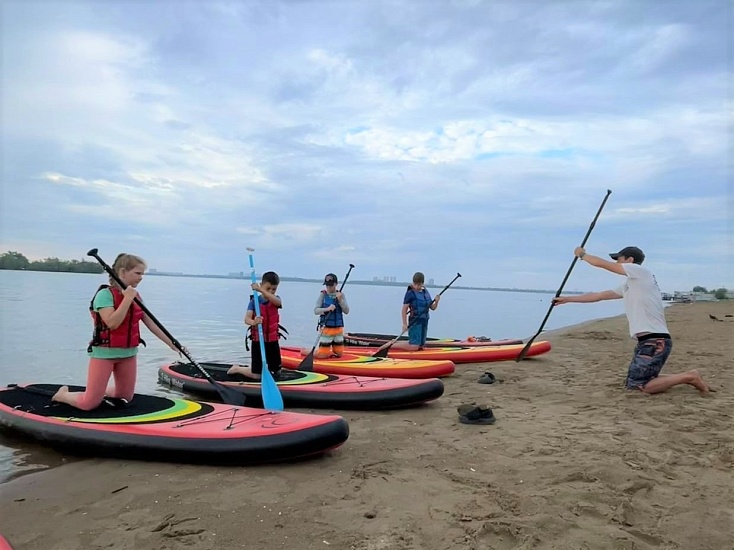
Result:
[[36, 399], [218, 371]]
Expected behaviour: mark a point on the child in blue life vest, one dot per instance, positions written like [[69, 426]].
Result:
[[415, 313], [114, 346], [331, 306], [269, 319]]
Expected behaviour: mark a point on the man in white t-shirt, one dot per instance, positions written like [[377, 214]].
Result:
[[643, 305]]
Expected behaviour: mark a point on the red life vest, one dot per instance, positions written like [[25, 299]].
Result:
[[127, 335], [271, 318]]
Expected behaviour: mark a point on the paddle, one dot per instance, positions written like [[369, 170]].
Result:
[[383, 352], [307, 363], [270, 393], [524, 351], [228, 395]]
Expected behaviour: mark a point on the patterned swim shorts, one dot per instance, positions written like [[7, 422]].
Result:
[[647, 362]]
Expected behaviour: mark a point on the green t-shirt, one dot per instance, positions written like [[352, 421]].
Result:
[[102, 300]]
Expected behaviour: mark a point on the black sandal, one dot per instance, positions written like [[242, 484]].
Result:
[[475, 414], [487, 378]]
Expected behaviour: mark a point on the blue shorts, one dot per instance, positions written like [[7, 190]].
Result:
[[647, 362], [417, 333]]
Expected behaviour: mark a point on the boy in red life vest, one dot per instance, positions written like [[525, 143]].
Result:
[[114, 346], [270, 305], [331, 305]]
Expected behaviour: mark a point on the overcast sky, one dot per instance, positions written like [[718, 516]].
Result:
[[444, 136]]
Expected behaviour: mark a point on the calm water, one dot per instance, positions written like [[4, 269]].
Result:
[[45, 326]]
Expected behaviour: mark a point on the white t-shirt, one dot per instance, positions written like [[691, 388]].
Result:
[[643, 302]]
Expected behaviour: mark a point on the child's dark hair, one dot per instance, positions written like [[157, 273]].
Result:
[[271, 277], [419, 278]]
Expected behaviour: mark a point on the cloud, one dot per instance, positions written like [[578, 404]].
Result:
[[440, 135]]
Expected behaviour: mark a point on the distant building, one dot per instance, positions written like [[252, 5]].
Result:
[[430, 281], [151, 270]]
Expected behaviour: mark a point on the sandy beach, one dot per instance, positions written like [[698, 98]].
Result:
[[574, 461]]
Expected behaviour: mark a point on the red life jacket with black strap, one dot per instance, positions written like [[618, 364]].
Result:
[[127, 335], [271, 324]]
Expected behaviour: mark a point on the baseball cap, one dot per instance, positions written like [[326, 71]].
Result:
[[637, 255], [330, 279]]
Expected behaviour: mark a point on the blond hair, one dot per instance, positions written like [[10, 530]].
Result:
[[127, 262]]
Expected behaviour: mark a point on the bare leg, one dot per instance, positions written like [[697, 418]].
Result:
[[244, 370], [665, 382], [98, 374], [125, 374], [401, 346]]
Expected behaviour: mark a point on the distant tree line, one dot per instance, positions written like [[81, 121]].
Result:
[[16, 261], [719, 293]]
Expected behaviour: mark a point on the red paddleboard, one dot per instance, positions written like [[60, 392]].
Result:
[[460, 355], [308, 389], [160, 428], [359, 365], [376, 340]]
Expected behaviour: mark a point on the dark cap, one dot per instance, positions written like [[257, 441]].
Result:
[[637, 255], [330, 279]]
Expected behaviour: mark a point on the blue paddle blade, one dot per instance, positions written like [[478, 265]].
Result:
[[272, 400]]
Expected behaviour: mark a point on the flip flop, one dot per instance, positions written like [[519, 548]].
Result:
[[487, 378], [475, 414]]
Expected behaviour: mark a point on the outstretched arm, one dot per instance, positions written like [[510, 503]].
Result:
[[596, 261], [587, 298]]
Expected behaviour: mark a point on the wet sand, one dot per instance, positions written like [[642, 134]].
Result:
[[574, 461]]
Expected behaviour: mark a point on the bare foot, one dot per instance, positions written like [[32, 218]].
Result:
[[61, 394], [699, 384], [234, 369]]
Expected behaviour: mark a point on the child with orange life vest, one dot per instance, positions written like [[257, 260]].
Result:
[[270, 304], [331, 306], [114, 345]]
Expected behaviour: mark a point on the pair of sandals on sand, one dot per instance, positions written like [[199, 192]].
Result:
[[478, 414]]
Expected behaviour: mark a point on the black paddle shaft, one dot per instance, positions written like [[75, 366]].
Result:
[[524, 351], [228, 395]]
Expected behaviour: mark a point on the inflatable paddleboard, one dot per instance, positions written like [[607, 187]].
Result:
[[376, 340], [160, 428], [359, 365], [308, 389], [458, 354]]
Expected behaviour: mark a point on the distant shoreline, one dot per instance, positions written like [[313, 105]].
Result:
[[354, 282], [155, 273]]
